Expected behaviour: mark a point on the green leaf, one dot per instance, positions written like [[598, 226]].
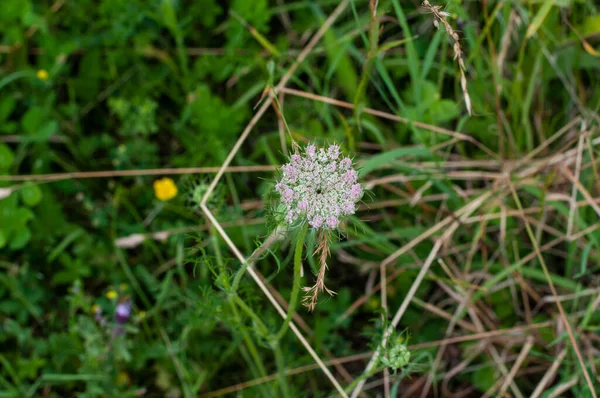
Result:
[[443, 111], [45, 131], [3, 239], [590, 26], [385, 158], [14, 10], [31, 195], [7, 106], [585, 254], [539, 18], [168, 16], [6, 157], [21, 216], [483, 378], [20, 238], [32, 120]]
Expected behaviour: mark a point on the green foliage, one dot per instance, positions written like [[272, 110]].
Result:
[[484, 378], [120, 86], [397, 354], [137, 116], [14, 219]]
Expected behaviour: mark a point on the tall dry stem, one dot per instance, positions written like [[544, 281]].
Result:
[[440, 17]]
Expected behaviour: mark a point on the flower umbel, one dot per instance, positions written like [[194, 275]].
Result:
[[397, 356], [165, 189], [318, 187]]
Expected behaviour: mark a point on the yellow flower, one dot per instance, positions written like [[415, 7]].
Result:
[[95, 308], [42, 74], [165, 189], [141, 315], [373, 303], [123, 378], [111, 294]]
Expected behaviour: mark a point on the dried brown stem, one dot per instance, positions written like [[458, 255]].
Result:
[[312, 293], [440, 17]]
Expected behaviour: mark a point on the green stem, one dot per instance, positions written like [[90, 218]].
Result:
[[248, 311], [362, 377], [273, 237], [281, 370], [260, 369], [296, 283]]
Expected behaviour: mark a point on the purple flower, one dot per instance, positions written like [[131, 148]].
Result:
[[319, 187], [332, 222], [123, 312], [333, 152], [350, 176], [356, 191], [302, 205], [345, 164], [316, 222]]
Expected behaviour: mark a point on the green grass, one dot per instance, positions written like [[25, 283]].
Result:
[[102, 88]]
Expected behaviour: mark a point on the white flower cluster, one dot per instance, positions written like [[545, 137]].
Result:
[[319, 186]]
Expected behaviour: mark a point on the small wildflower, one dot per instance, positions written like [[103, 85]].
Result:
[[141, 315], [373, 303], [318, 187], [95, 308], [123, 287], [42, 74], [123, 312], [111, 295], [165, 189], [123, 378]]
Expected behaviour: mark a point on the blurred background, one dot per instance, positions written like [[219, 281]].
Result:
[[116, 114]]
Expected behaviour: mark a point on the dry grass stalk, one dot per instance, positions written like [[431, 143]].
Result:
[[389, 116], [440, 18], [312, 293]]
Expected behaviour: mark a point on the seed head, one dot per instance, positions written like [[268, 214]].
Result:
[[318, 187], [398, 355]]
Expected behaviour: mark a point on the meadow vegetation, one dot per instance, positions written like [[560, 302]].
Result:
[[147, 250]]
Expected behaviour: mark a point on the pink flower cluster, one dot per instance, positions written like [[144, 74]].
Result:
[[319, 187]]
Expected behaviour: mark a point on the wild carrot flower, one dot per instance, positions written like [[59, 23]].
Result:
[[165, 189], [318, 187]]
